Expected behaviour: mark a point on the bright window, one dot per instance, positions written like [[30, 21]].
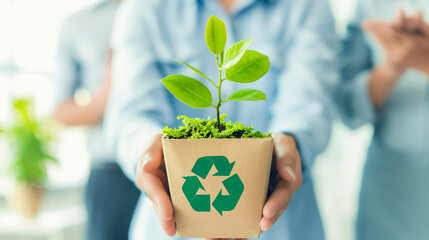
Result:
[[29, 31]]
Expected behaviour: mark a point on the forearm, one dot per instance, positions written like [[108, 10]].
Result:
[[69, 113], [420, 61], [426, 70], [423, 67], [382, 80]]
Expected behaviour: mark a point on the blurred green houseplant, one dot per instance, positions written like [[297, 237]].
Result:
[[28, 138]]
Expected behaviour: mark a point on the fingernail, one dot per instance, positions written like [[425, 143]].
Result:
[[145, 160], [291, 172], [157, 210], [264, 224]]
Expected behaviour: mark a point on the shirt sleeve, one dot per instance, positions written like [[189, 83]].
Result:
[[304, 105], [138, 107], [354, 102], [66, 74]]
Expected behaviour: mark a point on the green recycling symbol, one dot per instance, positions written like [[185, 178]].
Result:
[[222, 203]]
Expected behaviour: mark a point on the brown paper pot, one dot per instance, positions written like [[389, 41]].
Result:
[[26, 199], [218, 186]]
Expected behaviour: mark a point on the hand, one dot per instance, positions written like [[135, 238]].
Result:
[[286, 179], [70, 113], [404, 41], [413, 24], [407, 24], [402, 50], [151, 178]]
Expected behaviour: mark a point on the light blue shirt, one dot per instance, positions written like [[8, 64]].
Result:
[[81, 63], [298, 37], [394, 193]]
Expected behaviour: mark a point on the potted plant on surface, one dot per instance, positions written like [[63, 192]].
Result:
[[28, 139], [218, 171]]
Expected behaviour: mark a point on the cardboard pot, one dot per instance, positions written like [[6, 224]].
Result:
[[218, 186], [26, 199]]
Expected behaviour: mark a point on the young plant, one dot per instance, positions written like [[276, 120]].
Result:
[[29, 140], [236, 64]]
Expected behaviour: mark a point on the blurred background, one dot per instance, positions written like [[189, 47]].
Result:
[[29, 32]]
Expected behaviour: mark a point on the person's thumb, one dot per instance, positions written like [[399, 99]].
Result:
[[152, 159], [286, 155]]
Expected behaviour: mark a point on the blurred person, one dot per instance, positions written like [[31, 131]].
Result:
[[84, 61], [385, 72], [299, 38]]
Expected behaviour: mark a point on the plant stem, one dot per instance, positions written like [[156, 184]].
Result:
[[219, 102]]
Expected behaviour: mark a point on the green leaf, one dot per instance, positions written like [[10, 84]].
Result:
[[189, 90], [215, 35], [194, 69], [246, 95], [222, 56], [235, 52], [251, 67]]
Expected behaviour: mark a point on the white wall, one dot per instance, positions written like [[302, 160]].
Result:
[[337, 172]]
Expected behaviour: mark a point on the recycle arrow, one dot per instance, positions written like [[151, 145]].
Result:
[[233, 185], [235, 188], [204, 164], [200, 203]]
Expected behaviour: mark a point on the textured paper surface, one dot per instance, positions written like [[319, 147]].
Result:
[[252, 164]]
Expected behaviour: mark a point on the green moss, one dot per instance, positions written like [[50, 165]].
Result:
[[196, 128]]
